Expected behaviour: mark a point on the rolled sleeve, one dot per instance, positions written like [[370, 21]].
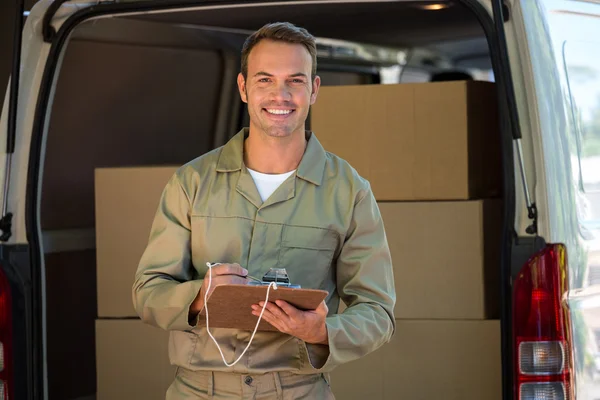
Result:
[[365, 282], [164, 287]]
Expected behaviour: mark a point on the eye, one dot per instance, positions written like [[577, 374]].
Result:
[[264, 80], [297, 80]]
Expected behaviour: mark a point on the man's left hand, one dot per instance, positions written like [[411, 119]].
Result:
[[308, 326]]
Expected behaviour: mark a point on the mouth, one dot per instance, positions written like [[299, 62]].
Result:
[[278, 112]]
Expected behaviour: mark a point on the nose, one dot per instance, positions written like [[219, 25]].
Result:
[[281, 92]]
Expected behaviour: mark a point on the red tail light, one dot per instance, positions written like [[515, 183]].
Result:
[[6, 369], [541, 336]]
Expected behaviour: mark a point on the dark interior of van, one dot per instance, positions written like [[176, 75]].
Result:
[[160, 89]]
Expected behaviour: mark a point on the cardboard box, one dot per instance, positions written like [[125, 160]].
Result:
[[445, 257], [451, 360], [422, 141], [126, 202], [132, 361]]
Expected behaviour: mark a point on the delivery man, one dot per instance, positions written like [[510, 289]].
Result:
[[272, 197]]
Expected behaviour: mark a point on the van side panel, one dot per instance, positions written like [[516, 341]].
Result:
[[563, 47]]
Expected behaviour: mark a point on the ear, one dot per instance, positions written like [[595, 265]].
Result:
[[315, 89], [242, 87]]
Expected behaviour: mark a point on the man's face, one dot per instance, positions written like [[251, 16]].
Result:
[[278, 89]]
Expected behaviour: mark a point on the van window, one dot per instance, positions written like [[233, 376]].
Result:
[[574, 30], [582, 67], [566, 66]]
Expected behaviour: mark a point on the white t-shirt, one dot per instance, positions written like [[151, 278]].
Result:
[[268, 183]]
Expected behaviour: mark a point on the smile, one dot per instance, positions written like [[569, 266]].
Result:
[[278, 112]]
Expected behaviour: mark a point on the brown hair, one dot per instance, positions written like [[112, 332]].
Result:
[[282, 32]]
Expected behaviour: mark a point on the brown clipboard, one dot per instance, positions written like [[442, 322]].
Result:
[[229, 306]]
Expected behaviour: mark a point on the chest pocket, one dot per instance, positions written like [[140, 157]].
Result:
[[307, 254]]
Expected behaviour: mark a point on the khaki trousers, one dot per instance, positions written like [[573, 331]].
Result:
[[271, 386]]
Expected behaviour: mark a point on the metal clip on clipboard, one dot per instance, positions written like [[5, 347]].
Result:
[[277, 275]]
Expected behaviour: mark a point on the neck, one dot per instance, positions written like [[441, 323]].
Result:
[[272, 155]]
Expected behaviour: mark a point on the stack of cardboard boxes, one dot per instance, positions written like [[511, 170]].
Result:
[[430, 152]]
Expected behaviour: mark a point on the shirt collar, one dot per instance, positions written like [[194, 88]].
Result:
[[311, 167], [231, 158]]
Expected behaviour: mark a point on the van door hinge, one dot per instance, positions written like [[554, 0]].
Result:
[[532, 214], [6, 220], [6, 227], [505, 12]]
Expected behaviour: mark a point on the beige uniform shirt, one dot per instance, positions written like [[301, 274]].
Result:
[[322, 225]]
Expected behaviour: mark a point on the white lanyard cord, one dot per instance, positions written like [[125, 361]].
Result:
[[273, 284]]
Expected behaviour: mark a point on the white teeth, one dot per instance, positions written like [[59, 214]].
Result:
[[279, 112]]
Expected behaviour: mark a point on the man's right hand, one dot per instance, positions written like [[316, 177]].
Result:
[[222, 274]]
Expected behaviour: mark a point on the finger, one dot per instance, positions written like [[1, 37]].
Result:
[[322, 309], [229, 280], [230, 269], [288, 309], [271, 319], [220, 281], [276, 311], [237, 280], [258, 308]]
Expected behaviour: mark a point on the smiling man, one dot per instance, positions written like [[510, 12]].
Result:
[[272, 197]]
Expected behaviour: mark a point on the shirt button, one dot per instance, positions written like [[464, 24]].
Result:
[[248, 380]]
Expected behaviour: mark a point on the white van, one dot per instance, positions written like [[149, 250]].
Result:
[[109, 83]]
